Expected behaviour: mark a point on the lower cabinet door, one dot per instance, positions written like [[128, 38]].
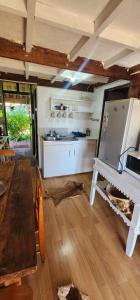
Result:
[[84, 152], [58, 160]]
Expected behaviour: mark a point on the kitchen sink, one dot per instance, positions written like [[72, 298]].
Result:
[[68, 139], [61, 138]]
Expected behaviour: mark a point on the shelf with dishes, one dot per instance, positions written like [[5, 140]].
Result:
[[70, 106]]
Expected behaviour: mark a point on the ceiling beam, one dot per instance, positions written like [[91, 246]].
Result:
[[59, 60], [27, 70], [114, 59], [111, 10], [134, 70], [44, 82], [16, 7], [73, 54], [107, 15], [30, 23], [57, 76]]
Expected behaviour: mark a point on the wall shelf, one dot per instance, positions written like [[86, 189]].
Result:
[[78, 106]]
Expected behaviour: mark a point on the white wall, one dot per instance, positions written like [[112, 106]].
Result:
[[79, 121]]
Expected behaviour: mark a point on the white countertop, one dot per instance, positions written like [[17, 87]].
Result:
[[80, 140], [89, 138]]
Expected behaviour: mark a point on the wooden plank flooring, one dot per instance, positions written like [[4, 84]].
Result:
[[85, 245]]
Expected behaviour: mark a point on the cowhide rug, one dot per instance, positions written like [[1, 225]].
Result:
[[70, 189]]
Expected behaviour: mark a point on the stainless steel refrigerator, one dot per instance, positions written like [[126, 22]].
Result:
[[120, 131]]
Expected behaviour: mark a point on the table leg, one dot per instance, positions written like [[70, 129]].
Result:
[[93, 186], [133, 230]]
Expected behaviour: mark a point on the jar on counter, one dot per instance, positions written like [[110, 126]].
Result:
[[87, 132]]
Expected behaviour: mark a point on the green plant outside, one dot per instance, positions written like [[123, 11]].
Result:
[[18, 125]]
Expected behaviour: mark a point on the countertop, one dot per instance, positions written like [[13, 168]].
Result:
[[79, 140]]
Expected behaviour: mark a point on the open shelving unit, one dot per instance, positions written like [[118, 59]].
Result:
[[78, 106], [101, 189]]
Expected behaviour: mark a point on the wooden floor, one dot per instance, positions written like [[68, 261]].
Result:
[[85, 245]]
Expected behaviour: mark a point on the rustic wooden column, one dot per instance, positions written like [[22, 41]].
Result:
[[134, 90]]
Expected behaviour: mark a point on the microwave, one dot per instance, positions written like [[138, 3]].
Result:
[[133, 164]]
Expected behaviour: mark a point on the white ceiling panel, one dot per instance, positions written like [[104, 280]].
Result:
[[14, 7], [126, 26], [38, 70], [12, 27], [54, 38], [102, 51], [11, 66], [88, 8], [131, 60]]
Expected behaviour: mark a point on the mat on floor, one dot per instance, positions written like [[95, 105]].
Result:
[[70, 292], [70, 189]]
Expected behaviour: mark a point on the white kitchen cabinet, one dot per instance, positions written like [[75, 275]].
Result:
[[66, 158], [57, 159]]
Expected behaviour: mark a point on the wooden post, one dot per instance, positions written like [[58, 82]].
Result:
[[134, 90]]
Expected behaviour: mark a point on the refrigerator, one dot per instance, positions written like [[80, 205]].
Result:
[[119, 131]]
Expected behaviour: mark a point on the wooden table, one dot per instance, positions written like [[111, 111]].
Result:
[[129, 186], [17, 226]]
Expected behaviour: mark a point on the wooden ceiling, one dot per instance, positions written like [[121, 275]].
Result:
[[41, 37]]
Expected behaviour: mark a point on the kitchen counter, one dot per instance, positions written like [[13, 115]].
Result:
[[89, 138], [83, 139]]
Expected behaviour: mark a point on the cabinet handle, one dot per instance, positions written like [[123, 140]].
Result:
[[69, 152], [74, 152]]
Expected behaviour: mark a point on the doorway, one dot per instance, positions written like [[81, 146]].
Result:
[[18, 118], [21, 123]]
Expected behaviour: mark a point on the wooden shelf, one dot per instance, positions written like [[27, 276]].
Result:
[[101, 190]]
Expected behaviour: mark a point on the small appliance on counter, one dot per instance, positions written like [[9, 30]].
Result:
[[133, 163], [78, 134], [87, 132]]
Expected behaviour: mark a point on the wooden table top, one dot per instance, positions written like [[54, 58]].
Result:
[[17, 223]]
